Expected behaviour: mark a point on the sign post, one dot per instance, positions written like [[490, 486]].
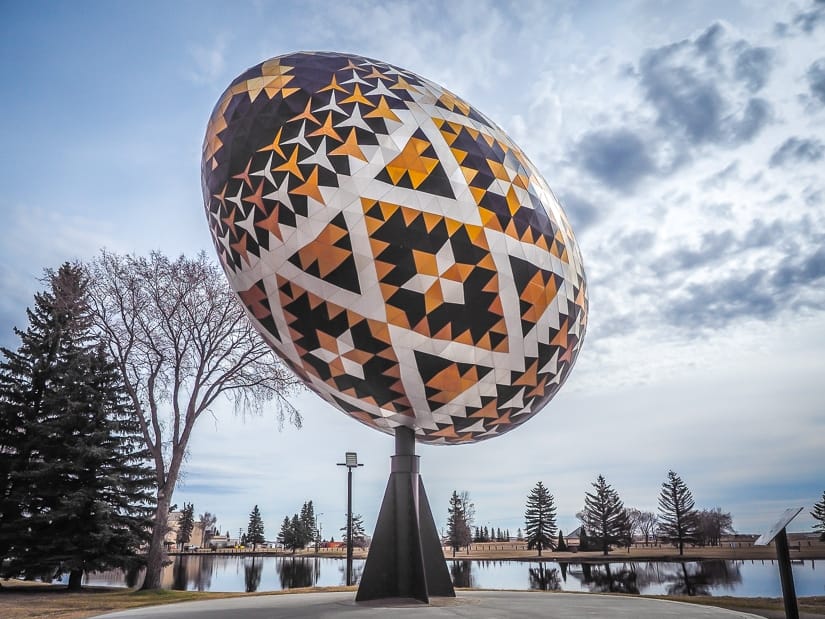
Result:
[[783, 556]]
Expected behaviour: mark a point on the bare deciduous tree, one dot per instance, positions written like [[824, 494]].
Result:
[[642, 522], [711, 525], [181, 340]]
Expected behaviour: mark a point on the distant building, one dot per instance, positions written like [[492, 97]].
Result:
[[573, 539], [173, 526]]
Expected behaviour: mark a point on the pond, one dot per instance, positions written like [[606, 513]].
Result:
[[268, 573]]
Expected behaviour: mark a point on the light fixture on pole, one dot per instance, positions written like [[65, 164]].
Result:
[[351, 462]]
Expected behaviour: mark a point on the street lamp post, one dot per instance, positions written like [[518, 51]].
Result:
[[319, 528], [351, 462]]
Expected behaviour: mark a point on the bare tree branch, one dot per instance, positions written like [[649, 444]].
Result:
[[181, 340]]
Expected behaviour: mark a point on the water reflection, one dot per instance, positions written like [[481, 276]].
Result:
[[357, 570], [544, 578], [462, 573], [297, 572], [216, 572], [252, 573], [702, 578], [607, 578], [193, 573]]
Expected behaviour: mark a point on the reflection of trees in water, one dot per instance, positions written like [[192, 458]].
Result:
[[357, 570], [462, 573], [132, 575], [179, 574], [192, 573], [544, 578], [686, 578], [296, 572], [207, 568], [252, 574], [700, 578], [601, 578]]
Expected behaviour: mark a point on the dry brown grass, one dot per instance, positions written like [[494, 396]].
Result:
[[20, 600]]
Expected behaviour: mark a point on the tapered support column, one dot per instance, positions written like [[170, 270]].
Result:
[[405, 559]]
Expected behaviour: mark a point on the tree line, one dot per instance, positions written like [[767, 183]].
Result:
[[605, 521]]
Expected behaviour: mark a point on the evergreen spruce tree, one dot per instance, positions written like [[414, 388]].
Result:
[[308, 529], [75, 483], [255, 528], [519, 535], [677, 512], [285, 534], [561, 545], [298, 540], [819, 515], [458, 531], [605, 515], [540, 518], [359, 536], [584, 540], [185, 525]]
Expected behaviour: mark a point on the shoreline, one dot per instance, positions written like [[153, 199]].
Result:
[[659, 555]]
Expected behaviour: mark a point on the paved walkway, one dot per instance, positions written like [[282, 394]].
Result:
[[474, 604]]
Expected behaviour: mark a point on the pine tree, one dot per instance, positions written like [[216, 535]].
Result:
[[605, 515], [293, 533], [540, 518], [308, 528], [458, 531], [561, 546], [255, 528], [285, 534], [298, 539], [359, 537], [584, 539], [74, 477], [519, 535], [677, 512], [185, 525], [819, 515]]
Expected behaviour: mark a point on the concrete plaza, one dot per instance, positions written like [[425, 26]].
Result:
[[474, 604]]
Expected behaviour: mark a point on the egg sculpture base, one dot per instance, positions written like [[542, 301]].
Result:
[[405, 558]]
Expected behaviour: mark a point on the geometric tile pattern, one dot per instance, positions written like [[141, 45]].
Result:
[[393, 246]]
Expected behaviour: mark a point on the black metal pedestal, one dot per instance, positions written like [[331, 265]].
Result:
[[405, 559]]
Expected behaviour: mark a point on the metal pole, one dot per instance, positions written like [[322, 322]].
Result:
[[783, 556], [349, 526]]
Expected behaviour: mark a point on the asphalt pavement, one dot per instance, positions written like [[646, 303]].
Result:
[[471, 604]]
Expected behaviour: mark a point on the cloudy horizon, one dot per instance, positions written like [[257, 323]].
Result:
[[686, 144]]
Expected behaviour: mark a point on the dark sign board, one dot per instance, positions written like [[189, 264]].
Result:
[[786, 517]]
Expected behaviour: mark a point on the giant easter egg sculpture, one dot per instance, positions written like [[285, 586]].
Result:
[[393, 245]]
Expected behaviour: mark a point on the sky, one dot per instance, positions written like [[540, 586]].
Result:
[[686, 142]]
